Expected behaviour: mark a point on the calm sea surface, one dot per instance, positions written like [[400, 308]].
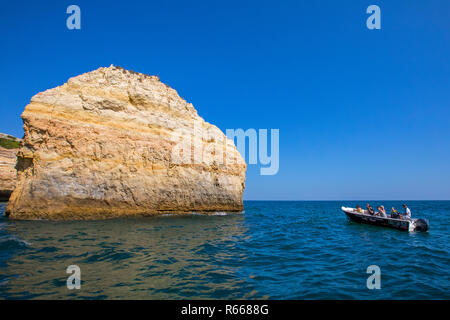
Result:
[[275, 250]]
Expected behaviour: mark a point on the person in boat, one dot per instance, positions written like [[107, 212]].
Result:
[[382, 212], [358, 209], [394, 213], [370, 210], [378, 213], [407, 214]]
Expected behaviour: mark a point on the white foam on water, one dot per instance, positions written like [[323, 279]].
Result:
[[219, 213], [195, 213]]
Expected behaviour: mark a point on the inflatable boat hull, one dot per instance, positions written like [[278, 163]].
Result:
[[400, 224]]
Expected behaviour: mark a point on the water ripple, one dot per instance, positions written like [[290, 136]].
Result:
[[276, 250]]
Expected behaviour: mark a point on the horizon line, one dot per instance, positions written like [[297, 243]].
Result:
[[350, 200]]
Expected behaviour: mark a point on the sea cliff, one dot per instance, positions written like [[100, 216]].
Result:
[[112, 143], [8, 149]]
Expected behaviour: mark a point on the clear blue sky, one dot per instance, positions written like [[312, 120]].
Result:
[[363, 114]]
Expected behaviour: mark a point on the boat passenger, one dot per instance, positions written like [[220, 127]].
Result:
[[358, 209], [382, 212], [407, 214], [394, 213], [370, 210], [378, 213]]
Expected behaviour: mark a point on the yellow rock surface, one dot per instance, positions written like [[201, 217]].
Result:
[[112, 143], [7, 172]]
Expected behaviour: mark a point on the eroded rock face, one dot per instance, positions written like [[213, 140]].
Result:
[[112, 143], [7, 170]]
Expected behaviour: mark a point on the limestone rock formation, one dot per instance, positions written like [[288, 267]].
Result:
[[8, 149], [112, 143]]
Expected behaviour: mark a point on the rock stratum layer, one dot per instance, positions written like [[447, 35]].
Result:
[[8, 149], [113, 143]]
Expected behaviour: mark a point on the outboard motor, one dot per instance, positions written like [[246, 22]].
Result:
[[421, 225]]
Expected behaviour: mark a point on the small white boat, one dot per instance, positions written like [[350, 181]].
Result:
[[401, 224]]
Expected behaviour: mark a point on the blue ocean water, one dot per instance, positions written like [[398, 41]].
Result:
[[274, 250]]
